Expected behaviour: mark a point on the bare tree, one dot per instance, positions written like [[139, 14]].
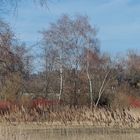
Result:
[[14, 3], [69, 38], [13, 61], [102, 88], [133, 68], [8, 5], [91, 59]]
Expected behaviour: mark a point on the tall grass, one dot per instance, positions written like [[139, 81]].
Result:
[[84, 116]]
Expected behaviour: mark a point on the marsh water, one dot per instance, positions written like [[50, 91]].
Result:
[[70, 134]]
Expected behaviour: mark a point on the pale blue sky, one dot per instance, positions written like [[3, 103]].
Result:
[[118, 21]]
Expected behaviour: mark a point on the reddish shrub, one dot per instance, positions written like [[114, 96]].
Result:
[[134, 102], [40, 104], [5, 107]]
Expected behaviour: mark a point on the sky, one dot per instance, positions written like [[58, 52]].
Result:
[[117, 21]]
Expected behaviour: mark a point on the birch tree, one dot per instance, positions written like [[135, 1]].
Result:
[[69, 37]]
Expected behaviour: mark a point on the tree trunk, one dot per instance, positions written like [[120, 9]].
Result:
[[46, 74], [90, 86], [101, 89], [61, 82]]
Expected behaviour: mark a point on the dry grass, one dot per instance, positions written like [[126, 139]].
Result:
[[71, 124], [65, 116]]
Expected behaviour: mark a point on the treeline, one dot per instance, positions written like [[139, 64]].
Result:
[[74, 68]]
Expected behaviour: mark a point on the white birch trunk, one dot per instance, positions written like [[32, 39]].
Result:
[[101, 89], [90, 85], [61, 82], [61, 76]]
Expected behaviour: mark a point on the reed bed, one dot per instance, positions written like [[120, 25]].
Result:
[[70, 124], [69, 117]]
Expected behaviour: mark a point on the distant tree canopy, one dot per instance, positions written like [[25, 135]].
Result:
[[13, 58], [72, 54], [73, 67]]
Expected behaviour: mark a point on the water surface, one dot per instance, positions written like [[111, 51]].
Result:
[[70, 134]]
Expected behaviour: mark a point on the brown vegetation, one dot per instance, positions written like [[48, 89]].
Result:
[[76, 81], [65, 116]]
